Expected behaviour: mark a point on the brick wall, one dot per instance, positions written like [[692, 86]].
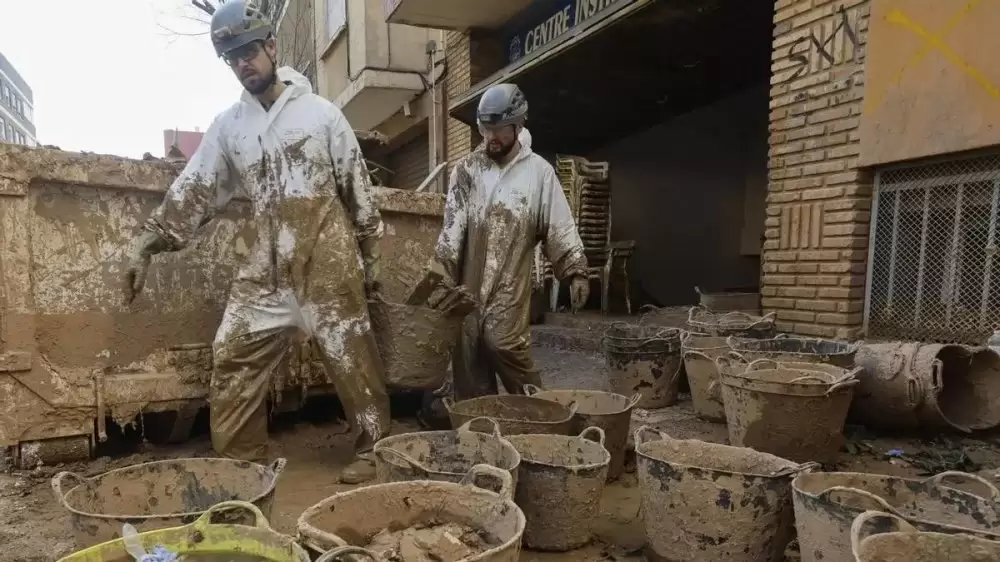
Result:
[[458, 137], [819, 200]]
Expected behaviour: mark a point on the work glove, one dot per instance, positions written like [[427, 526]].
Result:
[[372, 258], [144, 246], [579, 291]]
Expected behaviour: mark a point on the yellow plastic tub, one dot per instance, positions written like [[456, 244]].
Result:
[[204, 541]]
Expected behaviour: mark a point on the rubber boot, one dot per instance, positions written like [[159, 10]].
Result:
[[361, 470]]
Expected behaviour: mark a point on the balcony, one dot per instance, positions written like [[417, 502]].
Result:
[[454, 14], [375, 95]]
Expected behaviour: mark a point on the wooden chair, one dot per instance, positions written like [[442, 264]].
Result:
[[588, 191]]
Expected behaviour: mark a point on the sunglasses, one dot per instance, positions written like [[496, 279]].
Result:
[[245, 53]]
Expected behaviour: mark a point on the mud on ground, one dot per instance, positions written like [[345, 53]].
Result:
[[34, 528]]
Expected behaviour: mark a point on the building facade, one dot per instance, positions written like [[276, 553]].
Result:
[[838, 156], [382, 75], [17, 107]]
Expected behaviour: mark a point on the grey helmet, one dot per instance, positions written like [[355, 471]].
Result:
[[503, 104], [237, 23]]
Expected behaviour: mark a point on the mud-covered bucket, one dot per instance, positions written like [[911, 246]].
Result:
[[162, 494], [515, 413], [415, 343], [911, 385], [826, 503], [622, 336], [560, 487], [786, 348], [650, 367], [705, 501], [792, 413], [884, 537], [254, 541], [355, 517], [727, 324], [700, 352], [444, 455], [609, 411]]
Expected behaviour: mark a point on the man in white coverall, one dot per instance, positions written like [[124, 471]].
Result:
[[315, 256], [502, 200]]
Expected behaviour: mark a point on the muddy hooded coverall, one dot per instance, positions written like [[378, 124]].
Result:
[[301, 166], [493, 219]]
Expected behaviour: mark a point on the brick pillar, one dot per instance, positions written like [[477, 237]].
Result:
[[819, 201], [458, 137]]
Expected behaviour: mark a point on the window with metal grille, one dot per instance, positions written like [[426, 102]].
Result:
[[932, 267]]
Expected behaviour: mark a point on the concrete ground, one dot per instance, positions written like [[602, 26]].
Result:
[[33, 527]]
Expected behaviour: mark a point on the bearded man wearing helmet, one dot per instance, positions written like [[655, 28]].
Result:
[[503, 199], [315, 257]]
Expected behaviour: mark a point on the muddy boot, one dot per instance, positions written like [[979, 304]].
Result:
[[358, 472]]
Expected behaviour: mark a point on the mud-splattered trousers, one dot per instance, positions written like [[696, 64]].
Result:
[[493, 220], [301, 166]]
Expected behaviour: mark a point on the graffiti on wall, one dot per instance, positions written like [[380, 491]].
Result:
[[830, 42]]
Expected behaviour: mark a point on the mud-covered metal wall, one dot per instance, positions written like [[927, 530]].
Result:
[[72, 351]]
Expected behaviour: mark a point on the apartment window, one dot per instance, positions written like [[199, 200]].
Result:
[[3, 130], [336, 17], [6, 94]]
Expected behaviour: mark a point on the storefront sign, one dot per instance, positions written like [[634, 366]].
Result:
[[559, 17]]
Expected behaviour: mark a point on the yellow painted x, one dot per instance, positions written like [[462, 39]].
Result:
[[932, 41]]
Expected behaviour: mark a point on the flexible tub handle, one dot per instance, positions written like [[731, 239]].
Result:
[[842, 385], [573, 407], [695, 354], [388, 454], [506, 483], [448, 403], [592, 431], [277, 467], [632, 402], [715, 391], [759, 364], [815, 377], [937, 366], [859, 529], [467, 426], [938, 480], [531, 389], [691, 312], [798, 469], [829, 493], [341, 551], [645, 431], [58, 481], [205, 520]]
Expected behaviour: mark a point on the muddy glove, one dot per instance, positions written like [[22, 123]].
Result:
[[579, 291], [144, 246], [372, 258]]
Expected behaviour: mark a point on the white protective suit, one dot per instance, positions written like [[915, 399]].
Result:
[[301, 165], [494, 217]]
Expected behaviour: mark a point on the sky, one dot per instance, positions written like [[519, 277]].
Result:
[[108, 76]]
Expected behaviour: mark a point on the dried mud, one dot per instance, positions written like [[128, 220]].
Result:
[[34, 528]]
